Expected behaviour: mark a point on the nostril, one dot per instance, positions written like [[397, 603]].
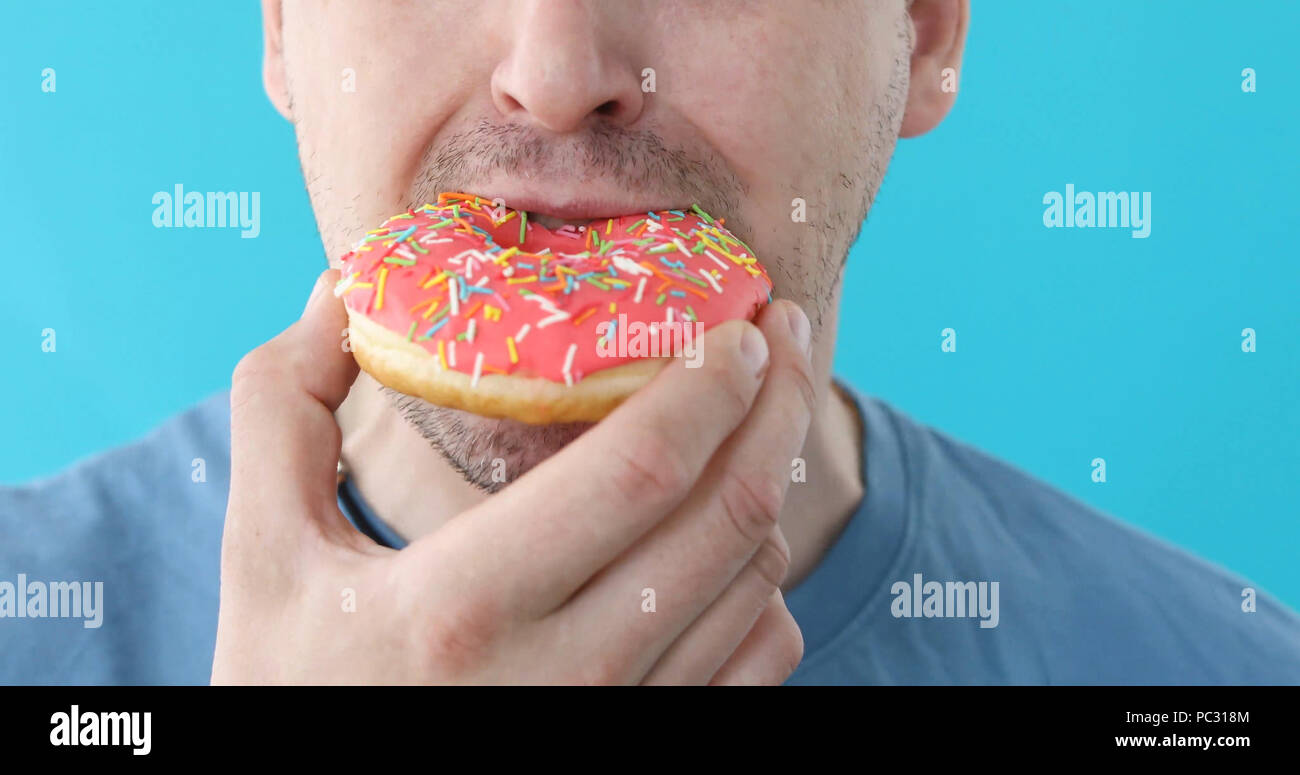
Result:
[[608, 108], [510, 104]]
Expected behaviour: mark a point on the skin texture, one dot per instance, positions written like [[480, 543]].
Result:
[[541, 103]]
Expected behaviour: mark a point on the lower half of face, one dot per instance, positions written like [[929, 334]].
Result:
[[489, 453], [780, 117]]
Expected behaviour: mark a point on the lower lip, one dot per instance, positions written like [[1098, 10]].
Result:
[[579, 213]]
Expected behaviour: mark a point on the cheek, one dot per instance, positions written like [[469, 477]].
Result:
[[774, 91], [370, 92], [788, 122]]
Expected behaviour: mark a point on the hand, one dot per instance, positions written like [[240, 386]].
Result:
[[678, 490]]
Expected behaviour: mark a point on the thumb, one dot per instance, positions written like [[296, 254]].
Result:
[[284, 441]]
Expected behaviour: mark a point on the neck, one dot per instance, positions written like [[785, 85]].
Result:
[[408, 484]]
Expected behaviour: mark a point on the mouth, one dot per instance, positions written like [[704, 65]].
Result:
[[579, 213]]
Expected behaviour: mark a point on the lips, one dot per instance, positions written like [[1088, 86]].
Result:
[[556, 214]]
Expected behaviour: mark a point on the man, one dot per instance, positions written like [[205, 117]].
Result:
[[367, 537]]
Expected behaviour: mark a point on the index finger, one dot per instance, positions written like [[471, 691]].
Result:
[[284, 441]]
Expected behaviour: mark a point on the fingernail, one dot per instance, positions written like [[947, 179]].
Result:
[[315, 293], [800, 328], [753, 348]]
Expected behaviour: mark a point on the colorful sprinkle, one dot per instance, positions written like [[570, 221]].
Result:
[[478, 369], [379, 293], [568, 364], [434, 329]]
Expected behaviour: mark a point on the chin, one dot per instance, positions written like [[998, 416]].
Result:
[[490, 453]]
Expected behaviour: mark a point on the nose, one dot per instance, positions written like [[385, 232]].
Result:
[[563, 72]]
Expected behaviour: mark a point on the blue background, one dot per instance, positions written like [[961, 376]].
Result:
[[1071, 343]]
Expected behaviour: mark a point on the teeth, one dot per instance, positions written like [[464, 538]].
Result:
[[553, 223]]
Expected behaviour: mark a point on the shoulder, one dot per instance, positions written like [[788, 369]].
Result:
[[1085, 596], [133, 493], [144, 522]]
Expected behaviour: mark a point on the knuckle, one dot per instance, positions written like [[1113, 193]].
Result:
[[790, 647], [649, 465], [459, 638], [735, 390], [601, 670], [771, 562], [752, 503], [251, 375], [781, 653], [800, 373]]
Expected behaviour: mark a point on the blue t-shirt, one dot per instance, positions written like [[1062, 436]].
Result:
[[956, 568]]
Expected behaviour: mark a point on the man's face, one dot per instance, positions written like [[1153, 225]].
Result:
[[578, 109]]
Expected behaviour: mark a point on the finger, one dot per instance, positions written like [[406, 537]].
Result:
[[551, 530], [692, 556], [710, 640], [284, 442], [770, 652]]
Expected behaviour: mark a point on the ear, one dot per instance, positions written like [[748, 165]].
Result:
[[273, 75], [940, 39]]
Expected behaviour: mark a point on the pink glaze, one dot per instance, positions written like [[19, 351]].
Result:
[[512, 292]]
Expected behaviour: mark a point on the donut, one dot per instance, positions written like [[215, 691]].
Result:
[[468, 305]]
